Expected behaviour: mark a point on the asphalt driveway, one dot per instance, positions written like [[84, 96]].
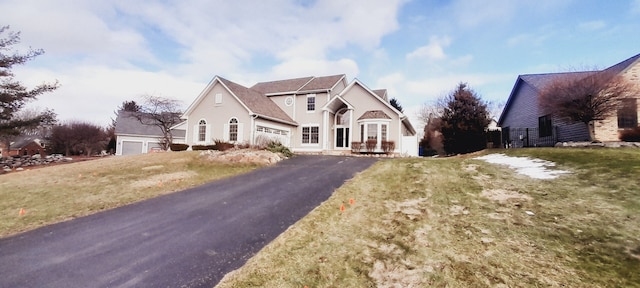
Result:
[[186, 239]]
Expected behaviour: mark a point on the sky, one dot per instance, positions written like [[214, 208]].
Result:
[[103, 53]]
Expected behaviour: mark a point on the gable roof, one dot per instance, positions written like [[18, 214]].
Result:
[[254, 101], [257, 103], [281, 86], [322, 83], [374, 114], [623, 66], [382, 93], [539, 81], [403, 118], [128, 123], [22, 141], [298, 85]]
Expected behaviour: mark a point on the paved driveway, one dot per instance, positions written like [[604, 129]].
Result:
[[189, 239]]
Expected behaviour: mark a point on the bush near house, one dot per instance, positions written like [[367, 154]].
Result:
[[178, 147], [277, 147], [388, 146], [630, 135], [222, 145], [370, 145], [203, 147]]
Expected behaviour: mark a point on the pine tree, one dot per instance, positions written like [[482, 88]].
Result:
[[13, 95], [464, 121]]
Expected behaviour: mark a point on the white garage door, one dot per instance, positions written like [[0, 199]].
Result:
[[131, 148]]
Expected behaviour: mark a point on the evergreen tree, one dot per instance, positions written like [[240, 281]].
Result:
[[464, 121], [13, 95], [396, 104]]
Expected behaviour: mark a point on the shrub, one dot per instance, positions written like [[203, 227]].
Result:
[[277, 147], [388, 146], [222, 145], [178, 147], [630, 135], [371, 145], [356, 147], [203, 147]]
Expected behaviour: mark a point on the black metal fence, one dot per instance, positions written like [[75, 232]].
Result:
[[528, 137]]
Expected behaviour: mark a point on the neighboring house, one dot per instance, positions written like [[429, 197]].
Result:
[[24, 146], [524, 124], [134, 137], [308, 115]]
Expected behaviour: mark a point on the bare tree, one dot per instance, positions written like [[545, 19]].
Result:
[[78, 138], [161, 112], [592, 97]]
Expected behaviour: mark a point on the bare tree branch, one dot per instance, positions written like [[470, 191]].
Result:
[[161, 112]]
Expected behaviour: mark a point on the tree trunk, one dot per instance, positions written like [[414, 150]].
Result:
[[592, 131]]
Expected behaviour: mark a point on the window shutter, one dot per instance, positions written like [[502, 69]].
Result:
[[207, 134], [225, 133], [240, 133], [195, 133]]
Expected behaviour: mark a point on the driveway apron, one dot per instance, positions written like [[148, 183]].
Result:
[[186, 239]]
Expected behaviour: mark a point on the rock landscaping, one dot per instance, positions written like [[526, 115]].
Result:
[[262, 157], [19, 163]]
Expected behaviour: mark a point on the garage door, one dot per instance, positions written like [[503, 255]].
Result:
[[131, 148]]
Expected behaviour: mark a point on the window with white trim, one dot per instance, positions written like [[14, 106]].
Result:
[[233, 130], [202, 130], [372, 131], [218, 98], [311, 102], [310, 135]]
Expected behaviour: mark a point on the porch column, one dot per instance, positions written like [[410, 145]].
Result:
[[325, 130]]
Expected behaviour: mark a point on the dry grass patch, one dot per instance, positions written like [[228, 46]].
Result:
[[460, 222], [58, 193]]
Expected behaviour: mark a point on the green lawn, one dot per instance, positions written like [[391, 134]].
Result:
[[461, 222]]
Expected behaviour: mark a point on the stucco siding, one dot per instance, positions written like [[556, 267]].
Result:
[[216, 116], [308, 119], [367, 102]]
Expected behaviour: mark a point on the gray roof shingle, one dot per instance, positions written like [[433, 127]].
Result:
[[288, 85], [128, 123], [374, 114], [257, 102]]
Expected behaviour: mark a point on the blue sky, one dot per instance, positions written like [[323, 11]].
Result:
[[107, 52]]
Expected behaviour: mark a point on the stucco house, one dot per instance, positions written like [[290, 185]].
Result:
[[309, 115], [524, 124], [134, 137]]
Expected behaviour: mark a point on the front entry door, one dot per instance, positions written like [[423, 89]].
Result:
[[342, 137]]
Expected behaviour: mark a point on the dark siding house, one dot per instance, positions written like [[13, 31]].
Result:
[[525, 125]]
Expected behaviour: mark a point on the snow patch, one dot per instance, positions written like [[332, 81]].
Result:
[[532, 167]]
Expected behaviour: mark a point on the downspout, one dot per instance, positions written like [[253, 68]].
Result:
[[252, 140]]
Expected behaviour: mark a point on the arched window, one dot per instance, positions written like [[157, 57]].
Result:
[[202, 130], [233, 130], [343, 117]]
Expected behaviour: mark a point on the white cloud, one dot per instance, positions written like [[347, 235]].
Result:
[[635, 7], [92, 93], [432, 51], [113, 51], [592, 25], [310, 67], [476, 13]]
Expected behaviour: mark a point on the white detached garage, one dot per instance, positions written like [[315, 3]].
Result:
[[133, 137]]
